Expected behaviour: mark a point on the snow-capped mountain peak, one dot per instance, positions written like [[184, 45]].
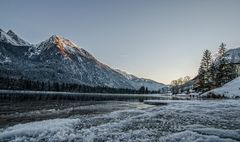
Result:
[[65, 46], [18, 40], [11, 33], [5, 38], [12, 38], [59, 41], [62, 42]]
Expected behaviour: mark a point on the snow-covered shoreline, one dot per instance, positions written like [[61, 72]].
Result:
[[181, 121], [229, 90]]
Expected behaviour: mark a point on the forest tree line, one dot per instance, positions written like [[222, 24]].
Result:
[[25, 84]]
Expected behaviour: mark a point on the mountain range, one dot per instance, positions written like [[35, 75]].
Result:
[[60, 60]]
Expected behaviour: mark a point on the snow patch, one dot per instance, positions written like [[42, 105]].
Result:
[[229, 90]]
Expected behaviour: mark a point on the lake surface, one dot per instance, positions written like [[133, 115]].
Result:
[[179, 120]]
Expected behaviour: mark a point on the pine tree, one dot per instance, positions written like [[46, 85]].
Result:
[[142, 90], [222, 50], [146, 90], [205, 78], [225, 71], [206, 60], [213, 73], [199, 85]]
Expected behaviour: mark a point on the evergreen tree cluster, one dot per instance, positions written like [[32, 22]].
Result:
[[214, 73], [143, 90], [25, 84]]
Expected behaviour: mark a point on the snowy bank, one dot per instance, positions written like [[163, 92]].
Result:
[[229, 90], [179, 121]]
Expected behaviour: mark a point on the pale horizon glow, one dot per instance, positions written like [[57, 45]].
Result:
[[158, 39]]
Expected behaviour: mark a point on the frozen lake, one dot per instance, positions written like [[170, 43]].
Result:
[[179, 120]]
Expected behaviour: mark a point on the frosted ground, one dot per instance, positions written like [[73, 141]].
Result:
[[193, 120]]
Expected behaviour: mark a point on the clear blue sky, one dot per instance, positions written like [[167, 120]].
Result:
[[158, 39]]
